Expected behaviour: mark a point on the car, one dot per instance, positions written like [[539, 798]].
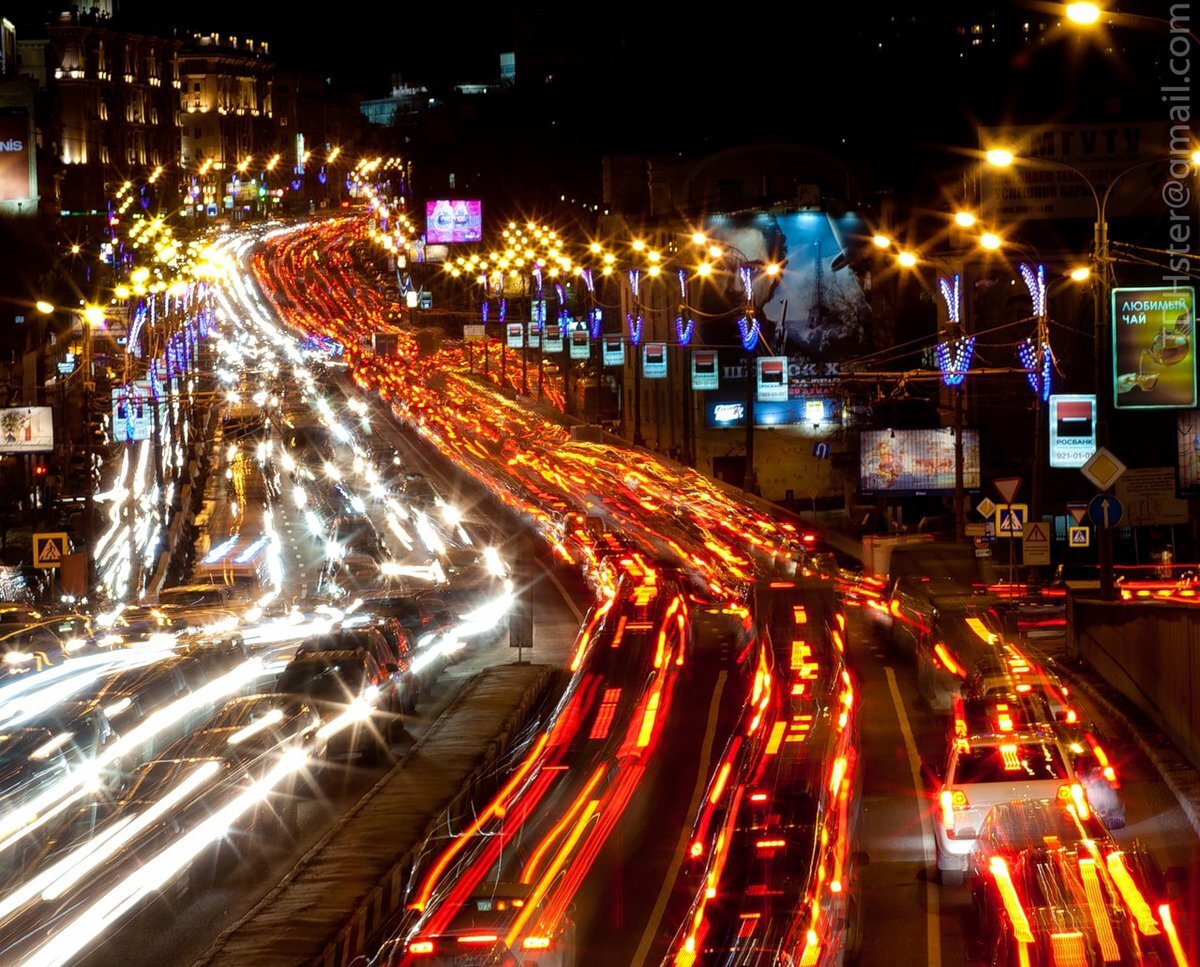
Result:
[[987, 770], [474, 932], [386, 649], [350, 683], [196, 595], [1051, 886]]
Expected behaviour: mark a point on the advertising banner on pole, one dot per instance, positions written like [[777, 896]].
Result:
[[654, 360], [772, 379], [535, 335], [614, 350], [552, 338], [581, 343], [705, 375], [516, 335], [1072, 430], [1154, 348]]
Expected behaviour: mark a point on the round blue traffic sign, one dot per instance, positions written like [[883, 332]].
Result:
[[1105, 510]]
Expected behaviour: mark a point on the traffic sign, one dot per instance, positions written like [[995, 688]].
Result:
[[821, 450], [1007, 487], [1079, 536], [1105, 510], [1103, 469], [1010, 519], [1077, 510], [976, 530], [49, 549], [1036, 542], [985, 508]]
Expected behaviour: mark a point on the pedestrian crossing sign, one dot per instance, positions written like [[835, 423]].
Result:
[[1079, 536], [49, 549], [1010, 519]]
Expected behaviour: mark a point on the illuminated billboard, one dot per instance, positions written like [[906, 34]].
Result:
[[132, 416], [772, 379], [1072, 430], [613, 350], [728, 414], [1154, 348], [581, 343], [705, 374], [14, 157], [552, 338], [654, 360], [515, 335], [26, 429], [453, 220], [915, 461]]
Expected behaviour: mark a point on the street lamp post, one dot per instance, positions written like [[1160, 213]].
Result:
[[1101, 287]]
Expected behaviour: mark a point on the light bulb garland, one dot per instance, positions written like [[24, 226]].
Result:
[[954, 359], [1036, 362], [683, 331]]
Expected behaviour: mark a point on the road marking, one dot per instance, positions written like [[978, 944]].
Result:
[[933, 927], [664, 894], [563, 591]]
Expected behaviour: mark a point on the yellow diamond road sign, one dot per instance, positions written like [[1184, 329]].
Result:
[[1103, 469], [49, 549]]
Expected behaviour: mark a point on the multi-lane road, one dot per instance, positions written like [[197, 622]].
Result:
[[740, 768]]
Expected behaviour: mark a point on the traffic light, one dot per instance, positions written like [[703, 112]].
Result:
[[39, 471]]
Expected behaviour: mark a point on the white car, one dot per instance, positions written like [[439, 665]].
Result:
[[984, 771]]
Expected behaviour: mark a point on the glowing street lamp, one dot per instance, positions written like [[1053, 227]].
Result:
[[964, 218], [44, 307], [907, 259], [1081, 274], [1084, 14], [990, 241], [881, 241], [999, 157]]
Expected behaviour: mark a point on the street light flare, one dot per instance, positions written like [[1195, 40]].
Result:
[[881, 241], [1084, 14], [964, 218], [907, 259], [990, 241], [1081, 274], [999, 157]]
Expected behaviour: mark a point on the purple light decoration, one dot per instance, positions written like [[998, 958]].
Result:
[[587, 280], [562, 294], [1035, 282], [503, 310], [1038, 375], [596, 320], [296, 183], [537, 276], [952, 296], [748, 325], [321, 176], [483, 311], [683, 332], [135, 331], [954, 359], [635, 323], [747, 276]]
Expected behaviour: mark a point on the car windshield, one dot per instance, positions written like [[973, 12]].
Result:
[[1009, 762], [336, 681]]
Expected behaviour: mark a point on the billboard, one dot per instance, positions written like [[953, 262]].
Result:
[[552, 338], [535, 335], [516, 335], [1072, 430], [581, 343], [453, 220], [654, 360], [1187, 438], [915, 462], [772, 379], [26, 429], [132, 416], [705, 370], [14, 157], [728, 414], [1154, 348], [614, 350], [815, 307], [1102, 151]]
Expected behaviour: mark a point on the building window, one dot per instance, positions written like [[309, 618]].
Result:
[[196, 87]]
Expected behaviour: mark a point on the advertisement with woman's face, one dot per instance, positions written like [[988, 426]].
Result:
[[815, 307]]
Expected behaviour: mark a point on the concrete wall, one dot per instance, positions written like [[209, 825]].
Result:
[[1150, 652]]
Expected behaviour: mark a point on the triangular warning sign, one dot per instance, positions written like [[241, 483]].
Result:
[[1037, 533], [1078, 511], [1007, 487], [49, 552]]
